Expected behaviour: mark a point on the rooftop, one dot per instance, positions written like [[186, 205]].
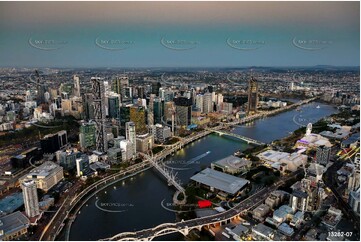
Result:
[[12, 223], [263, 229], [44, 170], [233, 162], [10, 203], [219, 180]]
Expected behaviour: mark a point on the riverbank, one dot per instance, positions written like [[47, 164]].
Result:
[[147, 190]]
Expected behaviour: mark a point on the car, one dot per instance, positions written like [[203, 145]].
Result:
[[226, 235]]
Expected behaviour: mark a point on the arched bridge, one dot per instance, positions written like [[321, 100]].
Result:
[[184, 227]]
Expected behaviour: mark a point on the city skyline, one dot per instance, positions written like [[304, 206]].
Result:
[[180, 121]]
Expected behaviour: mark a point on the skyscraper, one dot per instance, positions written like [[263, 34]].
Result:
[[183, 107], [88, 106], [150, 113], [76, 86], [207, 103], [199, 102], [113, 104], [130, 135], [40, 88], [87, 135], [155, 88], [53, 142], [158, 110], [31, 201], [138, 116], [252, 96], [99, 113], [119, 86]]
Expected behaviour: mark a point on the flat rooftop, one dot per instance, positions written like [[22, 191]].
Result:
[[10, 203], [219, 180], [232, 162], [43, 170], [12, 223]]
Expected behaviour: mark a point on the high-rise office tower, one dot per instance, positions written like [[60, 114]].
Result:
[[88, 106], [113, 105], [323, 154], [87, 135], [207, 103], [168, 110], [53, 142], [158, 110], [141, 92], [99, 113], [183, 108], [40, 89], [76, 86], [119, 86], [155, 88], [30, 196], [199, 102], [150, 113], [131, 136], [137, 115], [252, 96]]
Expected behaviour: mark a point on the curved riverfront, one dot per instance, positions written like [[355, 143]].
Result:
[[144, 209]]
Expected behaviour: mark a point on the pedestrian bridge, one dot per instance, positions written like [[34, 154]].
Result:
[[167, 173], [238, 136]]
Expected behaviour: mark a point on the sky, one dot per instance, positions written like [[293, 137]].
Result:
[[179, 34]]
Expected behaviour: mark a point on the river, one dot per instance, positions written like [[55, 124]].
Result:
[[136, 203]]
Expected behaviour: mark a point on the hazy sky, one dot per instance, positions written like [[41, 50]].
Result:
[[179, 34]]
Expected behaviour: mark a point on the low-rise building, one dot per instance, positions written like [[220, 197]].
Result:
[[262, 232], [45, 176], [282, 160], [297, 219], [286, 229], [340, 133], [232, 165], [332, 218], [313, 141], [13, 226], [260, 212], [283, 213], [217, 181], [11, 203]]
